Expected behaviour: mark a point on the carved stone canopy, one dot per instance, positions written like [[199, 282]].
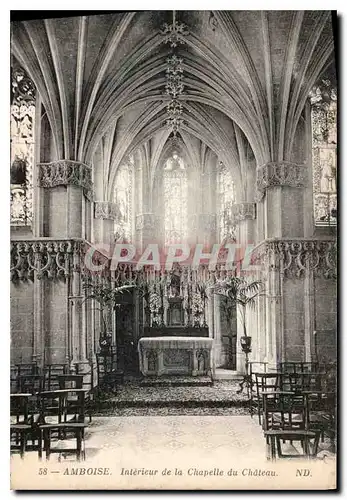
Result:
[[281, 173], [294, 258], [64, 173], [105, 210], [243, 211]]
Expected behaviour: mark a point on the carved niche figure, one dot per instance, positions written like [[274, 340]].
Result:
[[174, 286], [18, 171]]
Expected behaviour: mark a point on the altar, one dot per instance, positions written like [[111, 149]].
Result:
[[175, 356]]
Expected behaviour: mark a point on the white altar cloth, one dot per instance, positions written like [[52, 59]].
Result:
[[175, 355]]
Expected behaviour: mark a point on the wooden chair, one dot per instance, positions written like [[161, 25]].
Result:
[[305, 381], [72, 381], [264, 382], [51, 373], [14, 379], [27, 369], [56, 429], [276, 438], [298, 367], [251, 388], [322, 413], [20, 426], [108, 374], [32, 384], [88, 383], [283, 410], [285, 419]]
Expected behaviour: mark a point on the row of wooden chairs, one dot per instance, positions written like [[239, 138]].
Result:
[[49, 374], [57, 420], [294, 406], [35, 385], [292, 382]]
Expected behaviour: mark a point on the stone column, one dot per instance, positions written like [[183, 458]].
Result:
[[244, 215], [217, 320], [78, 329], [280, 185], [105, 213], [66, 182], [281, 192], [38, 340]]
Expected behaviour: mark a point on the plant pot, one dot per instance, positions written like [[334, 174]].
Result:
[[246, 343], [105, 343]]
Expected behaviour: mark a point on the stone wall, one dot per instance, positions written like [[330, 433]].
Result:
[[326, 319], [56, 322], [22, 322], [294, 305]]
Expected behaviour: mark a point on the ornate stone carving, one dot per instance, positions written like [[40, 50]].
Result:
[[176, 357], [50, 259], [64, 173], [147, 221], [243, 211], [295, 257], [105, 210], [282, 173], [174, 33], [212, 21], [174, 88], [174, 76]]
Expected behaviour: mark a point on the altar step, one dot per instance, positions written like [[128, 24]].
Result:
[[132, 394], [176, 380], [114, 403], [223, 374]]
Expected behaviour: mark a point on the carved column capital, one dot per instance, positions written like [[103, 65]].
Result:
[[65, 173], [243, 211], [282, 173], [105, 210]]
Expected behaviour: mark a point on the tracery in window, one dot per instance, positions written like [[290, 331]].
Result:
[[23, 96], [123, 201], [225, 200], [175, 200], [324, 155]]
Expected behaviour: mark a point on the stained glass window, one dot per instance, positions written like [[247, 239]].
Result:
[[23, 95], [175, 200], [123, 201], [225, 200], [324, 158]]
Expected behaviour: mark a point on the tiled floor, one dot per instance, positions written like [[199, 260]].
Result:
[[191, 444], [160, 434]]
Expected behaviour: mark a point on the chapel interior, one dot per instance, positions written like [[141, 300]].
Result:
[[195, 128]]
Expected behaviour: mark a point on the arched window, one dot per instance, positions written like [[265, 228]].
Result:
[[123, 200], [175, 200], [324, 160], [225, 200], [23, 95]]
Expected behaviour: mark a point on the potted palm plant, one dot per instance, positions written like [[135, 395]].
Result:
[[107, 298], [242, 293]]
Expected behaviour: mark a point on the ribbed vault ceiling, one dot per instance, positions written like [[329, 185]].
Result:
[[247, 76]]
